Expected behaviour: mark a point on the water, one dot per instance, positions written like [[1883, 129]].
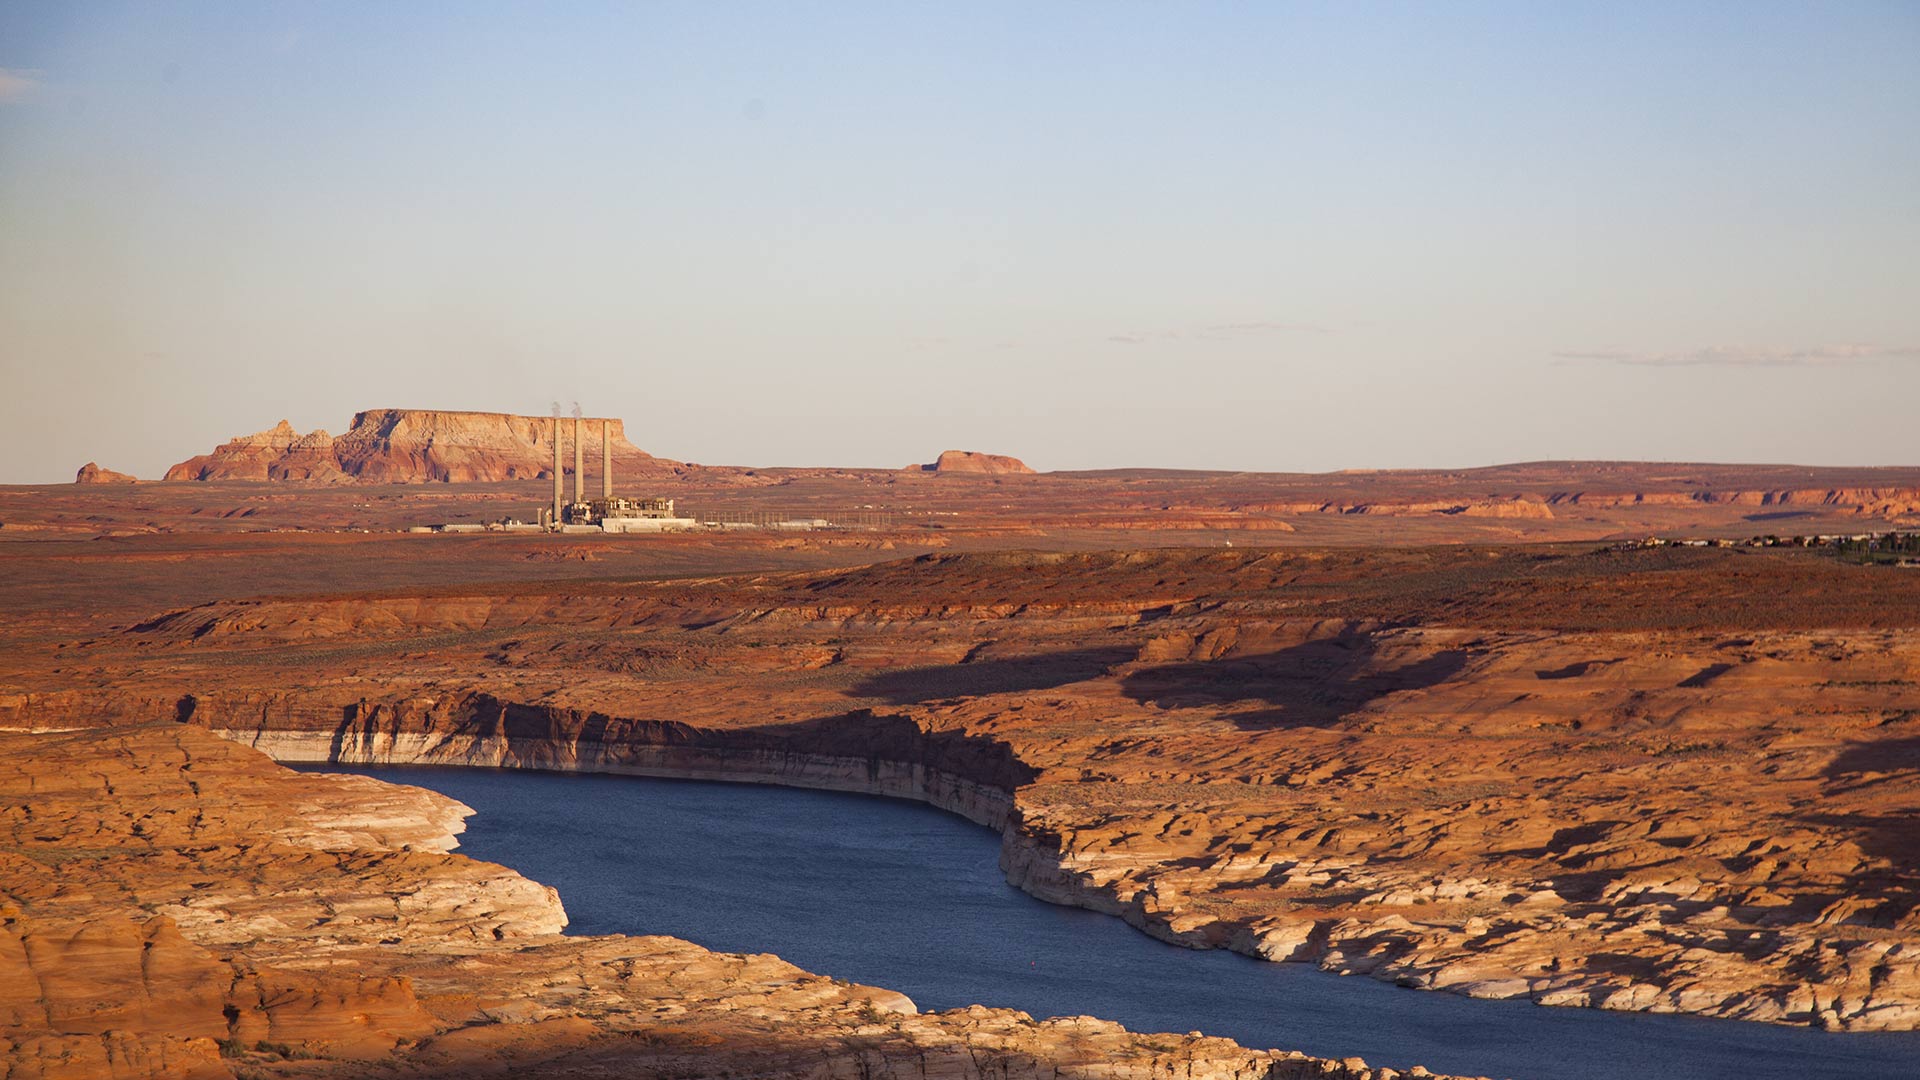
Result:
[[900, 895]]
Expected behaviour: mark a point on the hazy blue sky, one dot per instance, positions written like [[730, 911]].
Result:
[[1263, 236]]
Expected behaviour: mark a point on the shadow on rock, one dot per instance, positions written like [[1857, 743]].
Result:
[[881, 737], [1311, 684], [1042, 671], [1887, 768]]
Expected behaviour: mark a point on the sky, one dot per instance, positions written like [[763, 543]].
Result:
[[1274, 236]]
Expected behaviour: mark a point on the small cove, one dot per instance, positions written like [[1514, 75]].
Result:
[[900, 895]]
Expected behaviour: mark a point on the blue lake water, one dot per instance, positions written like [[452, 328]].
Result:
[[900, 895]]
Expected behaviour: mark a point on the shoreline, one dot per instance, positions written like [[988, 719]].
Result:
[[1047, 849], [1023, 861], [341, 939]]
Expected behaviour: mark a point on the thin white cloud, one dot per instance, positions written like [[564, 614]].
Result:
[[16, 84], [1748, 355], [1217, 332]]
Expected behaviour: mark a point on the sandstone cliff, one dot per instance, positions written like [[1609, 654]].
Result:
[[403, 446], [1522, 775], [173, 905], [92, 473], [974, 462], [1885, 501]]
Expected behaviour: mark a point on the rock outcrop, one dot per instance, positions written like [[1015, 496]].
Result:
[[1532, 509], [1505, 774], [92, 473], [973, 462], [404, 446], [173, 905], [1662, 779]]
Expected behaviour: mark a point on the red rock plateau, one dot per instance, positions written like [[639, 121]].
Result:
[[386, 446], [1475, 754]]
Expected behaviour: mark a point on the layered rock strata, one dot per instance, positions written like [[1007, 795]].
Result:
[[174, 905], [1671, 781]]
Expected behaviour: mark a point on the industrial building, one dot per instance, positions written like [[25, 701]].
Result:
[[608, 513], [611, 513]]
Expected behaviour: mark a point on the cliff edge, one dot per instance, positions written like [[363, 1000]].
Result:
[[179, 907]]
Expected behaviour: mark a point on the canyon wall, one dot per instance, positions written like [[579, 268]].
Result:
[[873, 755], [1663, 780], [864, 752], [1193, 869], [175, 906]]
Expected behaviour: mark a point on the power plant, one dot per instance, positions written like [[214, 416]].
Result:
[[608, 513], [611, 513]]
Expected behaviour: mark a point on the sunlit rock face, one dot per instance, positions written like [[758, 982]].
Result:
[[92, 473], [403, 446], [974, 462], [176, 905]]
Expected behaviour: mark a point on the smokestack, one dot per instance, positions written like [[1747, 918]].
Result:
[[556, 466], [606, 460], [579, 461]]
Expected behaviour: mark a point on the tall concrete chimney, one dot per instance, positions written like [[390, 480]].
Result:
[[579, 462], [606, 460], [556, 467]]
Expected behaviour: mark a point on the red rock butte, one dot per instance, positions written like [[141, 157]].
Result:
[[974, 462], [400, 446], [92, 473]]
